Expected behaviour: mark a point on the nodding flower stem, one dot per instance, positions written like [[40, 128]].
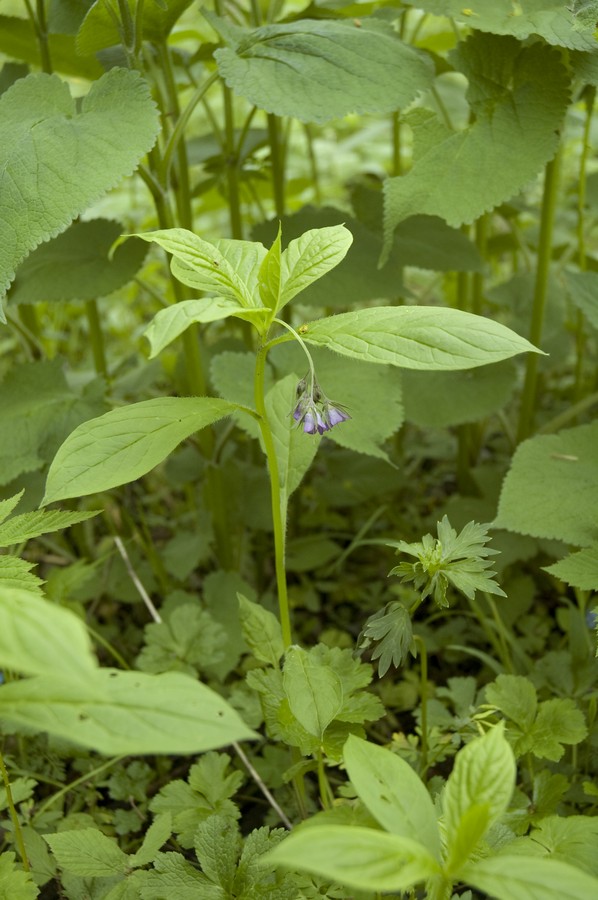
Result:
[[279, 506]]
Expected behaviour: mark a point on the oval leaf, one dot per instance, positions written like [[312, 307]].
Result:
[[393, 792], [511, 877], [362, 858], [116, 712], [314, 70], [417, 337], [171, 322], [314, 691], [126, 443]]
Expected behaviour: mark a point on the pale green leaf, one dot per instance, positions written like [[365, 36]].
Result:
[[88, 852], [313, 70], [483, 775], [393, 792], [516, 698], [40, 521], [227, 268], [16, 573], [551, 489], [518, 97], [310, 257], [7, 506], [509, 877], [438, 400], [579, 569], [558, 722], [116, 712], [269, 277], [361, 858], [58, 157], [557, 22], [126, 443], [217, 846], [417, 337], [15, 884], [173, 876], [464, 840], [155, 837], [38, 638], [571, 839], [261, 630], [170, 323], [76, 265], [314, 691]]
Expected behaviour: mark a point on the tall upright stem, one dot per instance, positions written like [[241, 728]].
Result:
[[277, 161], [19, 841], [279, 511], [580, 338], [530, 387]]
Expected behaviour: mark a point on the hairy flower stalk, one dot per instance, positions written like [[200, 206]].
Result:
[[313, 411]]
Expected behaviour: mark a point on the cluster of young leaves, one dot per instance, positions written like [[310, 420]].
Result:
[[408, 851]]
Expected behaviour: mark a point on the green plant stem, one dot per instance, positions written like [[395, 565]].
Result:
[[277, 163], [424, 703], [183, 192], [313, 164], [326, 795], [481, 239], [128, 35], [96, 338], [232, 161], [28, 317], [569, 415], [19, 841], [81, 780], [580, 338], [530, 387], [279, 507], [39, 23]]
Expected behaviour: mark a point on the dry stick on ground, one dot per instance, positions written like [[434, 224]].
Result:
[[157, 618]]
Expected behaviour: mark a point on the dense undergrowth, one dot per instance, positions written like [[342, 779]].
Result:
[[298, 463]]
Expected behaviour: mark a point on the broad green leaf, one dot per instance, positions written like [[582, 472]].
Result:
[[227, 268], [393, 793], [76, 265], [417, 337], [438, 400], [170, 323], [38, 638], [582, 288], [309, 257], [174, 876], [516, 697], [18, 41], [483, 775], [33, 524], [116, 712], [126, 443], [155, 837], [571, 839], [579, 569], [59, 156], [558, 722], [551, 489], [16, 573], [295, 450], [39, 409], [464, 840], [314, 691], [518, 97], [99, 29], [557, 22], [313, 70], [88, 852], [261, 630], [510, 877], [361, 858], [15, 884], [217, 846]]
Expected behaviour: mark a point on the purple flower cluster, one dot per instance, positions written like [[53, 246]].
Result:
[[314, 412]]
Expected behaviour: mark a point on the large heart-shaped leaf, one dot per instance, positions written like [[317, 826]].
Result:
[[57, 158]]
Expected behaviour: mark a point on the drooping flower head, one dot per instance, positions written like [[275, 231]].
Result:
[[313, 411]]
